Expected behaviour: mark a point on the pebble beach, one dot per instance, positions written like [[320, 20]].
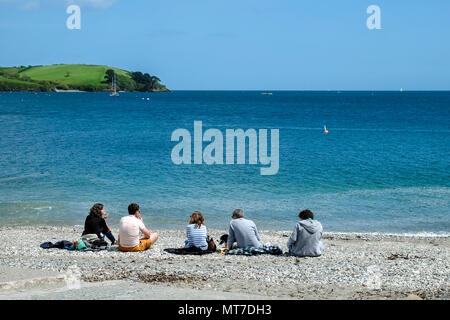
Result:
[[354, 266]]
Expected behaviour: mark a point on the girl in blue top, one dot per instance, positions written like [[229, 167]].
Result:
[[196, 232]]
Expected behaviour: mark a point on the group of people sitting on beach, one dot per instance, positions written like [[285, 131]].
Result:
[[305, 240]]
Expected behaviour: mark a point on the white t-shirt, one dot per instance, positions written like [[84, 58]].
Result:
[[129, 228]]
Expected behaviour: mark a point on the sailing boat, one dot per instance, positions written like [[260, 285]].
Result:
[[325, 130], [114, 92]]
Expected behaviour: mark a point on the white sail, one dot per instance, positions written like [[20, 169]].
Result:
[[114, 92]]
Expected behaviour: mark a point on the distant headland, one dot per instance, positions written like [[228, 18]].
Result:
[[76, 77]]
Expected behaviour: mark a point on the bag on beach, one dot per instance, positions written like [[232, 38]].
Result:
[[211, 244], [80, 245], [99, 243], [60, 244], [94, 243]]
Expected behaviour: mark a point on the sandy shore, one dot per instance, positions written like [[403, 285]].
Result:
[[354, 266]]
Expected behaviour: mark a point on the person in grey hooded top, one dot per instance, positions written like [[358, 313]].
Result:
[[305, 240]]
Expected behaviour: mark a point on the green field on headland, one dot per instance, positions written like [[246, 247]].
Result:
[[81, 77]]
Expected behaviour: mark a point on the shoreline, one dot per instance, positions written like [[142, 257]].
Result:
[[403, 266], [407, 234]]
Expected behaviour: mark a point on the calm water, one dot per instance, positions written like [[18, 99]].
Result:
[[383, 167]]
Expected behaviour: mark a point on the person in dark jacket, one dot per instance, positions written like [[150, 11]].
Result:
[[95, 223]]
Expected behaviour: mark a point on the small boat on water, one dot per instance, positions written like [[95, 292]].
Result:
[[114, 92], [266, 93], [325, 130]]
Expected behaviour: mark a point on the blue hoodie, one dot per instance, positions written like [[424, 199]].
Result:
[[305, 240]]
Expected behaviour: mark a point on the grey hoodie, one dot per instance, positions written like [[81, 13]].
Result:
[[305, 239]]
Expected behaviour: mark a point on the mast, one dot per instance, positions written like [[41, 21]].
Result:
[[114, 86]]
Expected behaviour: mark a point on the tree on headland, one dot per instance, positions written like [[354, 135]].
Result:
[[138, 77], [154, 81], [145, 82], [125, 83], [109, 75]]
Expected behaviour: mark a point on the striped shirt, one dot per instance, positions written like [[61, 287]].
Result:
[[196, 237]]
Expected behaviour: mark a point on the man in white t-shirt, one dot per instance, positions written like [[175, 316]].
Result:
[[129, 229]]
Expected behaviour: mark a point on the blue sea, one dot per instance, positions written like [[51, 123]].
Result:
[[383, 167]]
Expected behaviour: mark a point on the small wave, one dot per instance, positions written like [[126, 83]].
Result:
[[398, 190], [425, 234], [33, 175], [42, 208]]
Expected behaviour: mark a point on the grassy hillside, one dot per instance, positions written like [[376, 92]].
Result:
[[7, 84], [72, 77]]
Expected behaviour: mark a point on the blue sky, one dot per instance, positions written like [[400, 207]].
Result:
[[241, 44]]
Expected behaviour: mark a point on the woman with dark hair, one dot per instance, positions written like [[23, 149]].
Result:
[[95, 223], [196, 232]]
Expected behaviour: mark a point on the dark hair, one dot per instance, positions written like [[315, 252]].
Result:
[[197, 219], [132, 208], [306, 214], [96, 210]]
